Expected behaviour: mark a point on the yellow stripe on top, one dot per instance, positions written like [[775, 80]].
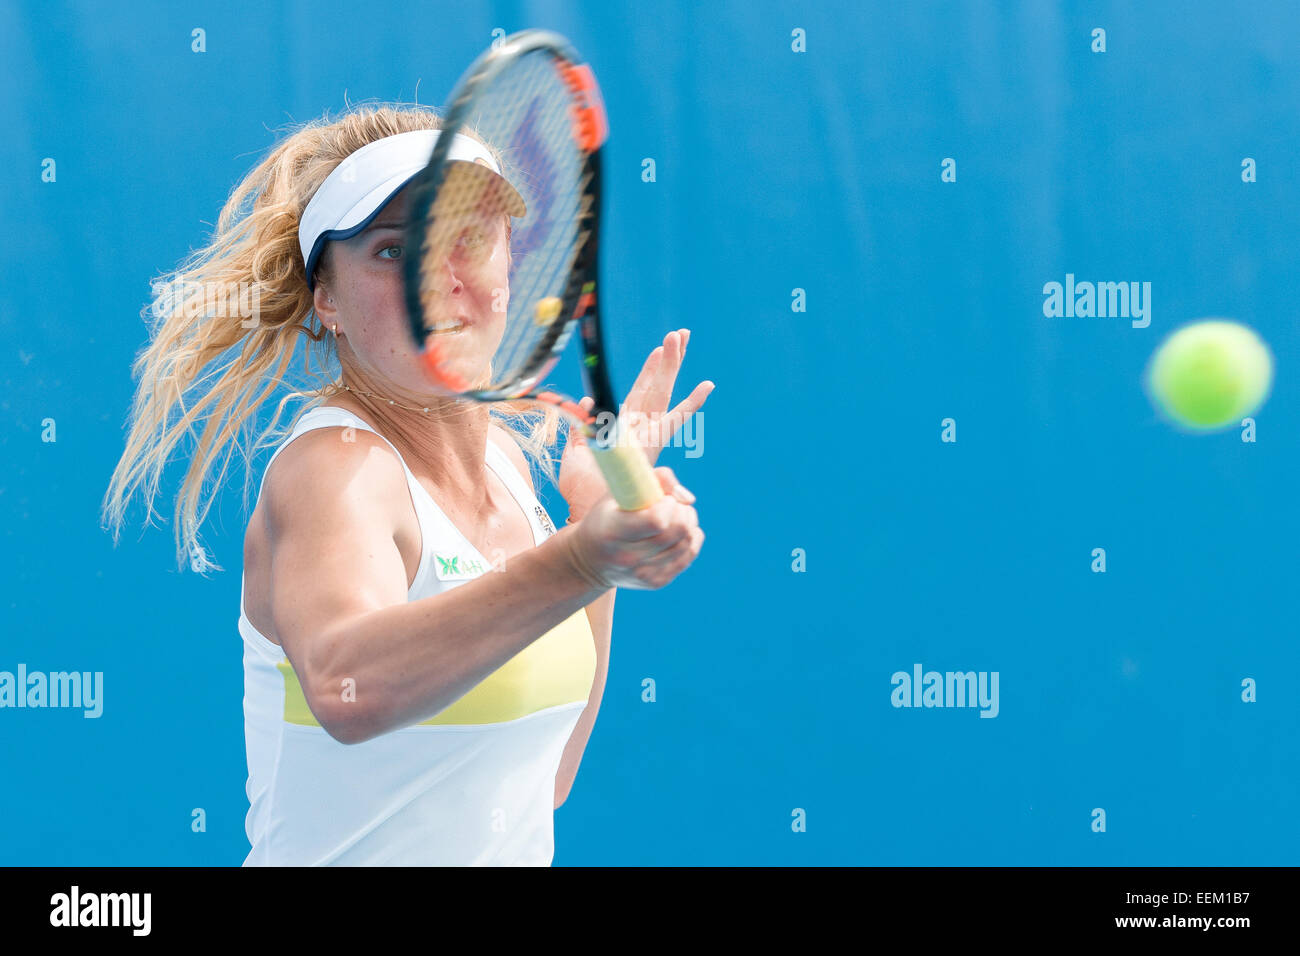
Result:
[[557, 668]]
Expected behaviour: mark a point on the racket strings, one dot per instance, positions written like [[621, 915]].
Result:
[[540, 269], [527, 117], [534, 351], [550, 277]]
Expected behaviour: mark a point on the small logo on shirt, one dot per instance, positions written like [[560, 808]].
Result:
[[457, 567], [545, 519]]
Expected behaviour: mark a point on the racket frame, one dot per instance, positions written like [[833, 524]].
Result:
[[627, 471]]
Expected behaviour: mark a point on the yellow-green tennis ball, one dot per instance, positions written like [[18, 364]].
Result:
[[1210, 374]]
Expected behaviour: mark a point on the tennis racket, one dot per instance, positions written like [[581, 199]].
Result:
[[531, 235]]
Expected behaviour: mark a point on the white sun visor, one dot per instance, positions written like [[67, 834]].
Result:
[[360, 186]]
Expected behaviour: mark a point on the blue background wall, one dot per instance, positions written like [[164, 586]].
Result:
[[776, 170]]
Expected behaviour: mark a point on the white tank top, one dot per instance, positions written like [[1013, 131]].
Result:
[[473, 785]]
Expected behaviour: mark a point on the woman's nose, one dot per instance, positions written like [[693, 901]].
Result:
[[448, 282]]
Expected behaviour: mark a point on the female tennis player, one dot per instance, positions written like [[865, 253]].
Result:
[[424, 654]]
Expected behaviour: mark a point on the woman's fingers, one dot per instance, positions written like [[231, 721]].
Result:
[[684, 410], [669, 563], [683, 552], [639, 549], [648, 371], [660, 389], [654, 386], [668, 479], [587, 404], [673, 513], [684, 521]]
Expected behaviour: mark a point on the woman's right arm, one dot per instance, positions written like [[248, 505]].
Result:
[[339, 593]]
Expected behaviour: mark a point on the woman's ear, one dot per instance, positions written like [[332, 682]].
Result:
[[323, 302], [322, 298]]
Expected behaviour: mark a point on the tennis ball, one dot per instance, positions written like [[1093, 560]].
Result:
[[1210, 373]]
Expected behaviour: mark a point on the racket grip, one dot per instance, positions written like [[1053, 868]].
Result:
[[631, 480]]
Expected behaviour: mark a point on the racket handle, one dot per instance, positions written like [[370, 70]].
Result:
[[631, 480]]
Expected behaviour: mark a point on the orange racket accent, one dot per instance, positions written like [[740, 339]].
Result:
[[431, 358], [576, 411], [584, 303], [590, 125], [573, 408]]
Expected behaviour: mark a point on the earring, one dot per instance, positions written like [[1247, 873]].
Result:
[[335, 328]]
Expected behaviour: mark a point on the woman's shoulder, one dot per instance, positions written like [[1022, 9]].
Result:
[[333, 458]]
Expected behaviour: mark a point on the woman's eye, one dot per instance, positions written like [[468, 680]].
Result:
[[396, 252]]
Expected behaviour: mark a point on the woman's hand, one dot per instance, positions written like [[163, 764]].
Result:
[[646, 411], [643, 550]]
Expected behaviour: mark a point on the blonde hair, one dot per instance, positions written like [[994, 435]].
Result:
[[225, 326]]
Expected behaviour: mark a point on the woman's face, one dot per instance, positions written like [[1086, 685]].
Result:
[[361, 291]]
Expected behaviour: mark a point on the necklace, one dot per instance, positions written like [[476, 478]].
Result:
[[389, 400]]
